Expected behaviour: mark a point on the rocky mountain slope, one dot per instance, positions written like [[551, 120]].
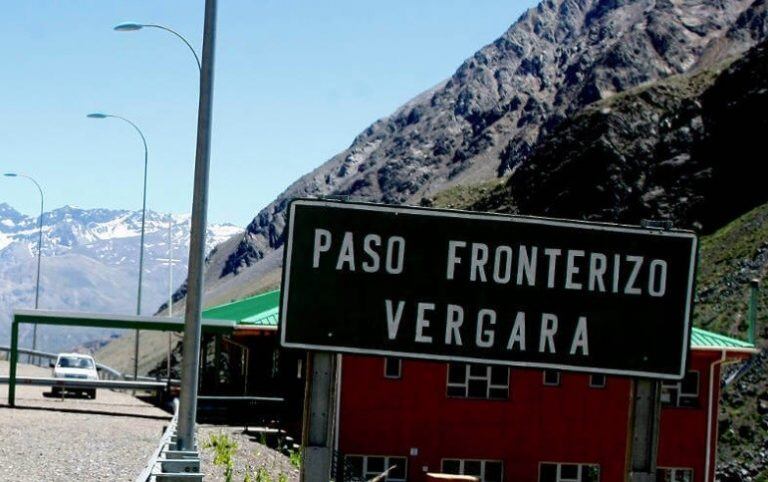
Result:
[[686, 149], [89, 263], [730, 258], [486, 120]]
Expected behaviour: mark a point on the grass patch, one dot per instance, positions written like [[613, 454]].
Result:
[[224, 449]]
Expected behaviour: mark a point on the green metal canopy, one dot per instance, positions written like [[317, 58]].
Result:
[[706, 340], [260, 311], [98, 320]]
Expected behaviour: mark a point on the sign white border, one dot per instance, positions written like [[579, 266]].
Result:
[[451, 213]]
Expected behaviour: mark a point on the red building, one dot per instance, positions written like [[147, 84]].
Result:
[[523, 425]]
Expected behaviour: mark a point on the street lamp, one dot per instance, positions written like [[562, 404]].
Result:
[[132, 27], [99, 115], [39, 247], [193, 308]]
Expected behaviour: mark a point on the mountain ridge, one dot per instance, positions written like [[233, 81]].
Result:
[[90, 263]]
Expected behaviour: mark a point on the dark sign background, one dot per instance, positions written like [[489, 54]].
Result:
[[327, 309]]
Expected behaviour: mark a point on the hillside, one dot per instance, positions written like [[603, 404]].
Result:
[[730, 258], [487, 119]]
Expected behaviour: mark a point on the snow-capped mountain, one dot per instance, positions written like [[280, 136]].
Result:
[[90, 260]]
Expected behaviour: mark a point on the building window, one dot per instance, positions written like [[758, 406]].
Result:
[[684, 393], [366, 467], [393, 367], [551, 378], [597, 380], [674, 475], [478, 381], [554, 472], [486, 470]]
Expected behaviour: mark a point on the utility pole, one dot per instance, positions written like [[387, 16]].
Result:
[[194, 305]]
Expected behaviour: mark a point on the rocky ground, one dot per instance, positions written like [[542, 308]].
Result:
[[52, 439]]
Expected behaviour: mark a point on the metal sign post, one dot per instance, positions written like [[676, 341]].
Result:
[[319, 417], [646, 413], [194, 307]]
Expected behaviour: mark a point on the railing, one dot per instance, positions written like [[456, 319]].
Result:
[[81, 383], [167, 463], [104, 369]]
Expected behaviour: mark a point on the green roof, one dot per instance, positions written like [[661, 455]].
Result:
[[263, 310], [259, 310], [703, 339]]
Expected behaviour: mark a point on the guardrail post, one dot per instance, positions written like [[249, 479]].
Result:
[[14, 360]]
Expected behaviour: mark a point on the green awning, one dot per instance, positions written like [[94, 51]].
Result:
[[703, 339], [125, 322], [257, 311]]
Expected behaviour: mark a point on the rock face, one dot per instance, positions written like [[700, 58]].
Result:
[[488, 118], [687, 149]]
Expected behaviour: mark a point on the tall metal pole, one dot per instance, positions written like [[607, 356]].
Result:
[[170, 295], [39, 248], [754, 289], [193, 312], [39, 258], [141, 256], [143, 221]]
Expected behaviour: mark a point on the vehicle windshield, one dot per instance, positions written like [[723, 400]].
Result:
[[75, 362]]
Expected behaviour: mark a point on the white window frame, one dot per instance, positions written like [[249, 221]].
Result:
[[368, 475], [558, 475], [544, 378], [482, 466], [468, 377], [679, 387], [399, 368], [673, 471], [595, 385]]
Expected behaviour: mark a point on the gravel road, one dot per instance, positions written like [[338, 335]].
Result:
[[50, 439]]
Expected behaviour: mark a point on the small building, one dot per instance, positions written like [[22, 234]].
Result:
[[492, 422], [246, 376], [524, 425]]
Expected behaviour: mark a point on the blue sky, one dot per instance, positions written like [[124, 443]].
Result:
[[295, 82]]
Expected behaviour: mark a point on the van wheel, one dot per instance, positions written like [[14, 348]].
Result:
[[92, 394]]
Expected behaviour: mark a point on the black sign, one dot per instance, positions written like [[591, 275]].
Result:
[[485, 288]]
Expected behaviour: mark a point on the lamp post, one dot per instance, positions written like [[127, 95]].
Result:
[[132, 27], [99, 115], [193, 308], [39, 247]]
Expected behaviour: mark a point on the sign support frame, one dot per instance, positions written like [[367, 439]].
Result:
[[317, 438], [644, 431], [645, 410]]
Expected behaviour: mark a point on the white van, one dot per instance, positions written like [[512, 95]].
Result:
[[75, 365]]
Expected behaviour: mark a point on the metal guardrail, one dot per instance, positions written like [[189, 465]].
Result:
[[52, 356], [113, 373], [169, 464], [83, 383]]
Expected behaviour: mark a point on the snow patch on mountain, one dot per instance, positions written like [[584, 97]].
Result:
[[90, 263]]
